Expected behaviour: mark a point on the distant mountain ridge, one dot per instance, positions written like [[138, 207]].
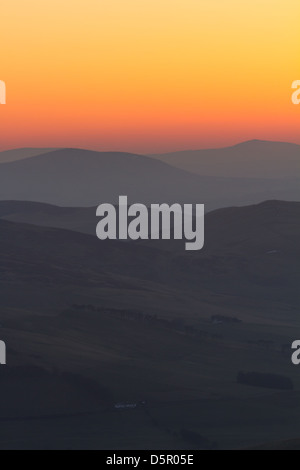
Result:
[[253, 159], [8, 156], [78, 178]]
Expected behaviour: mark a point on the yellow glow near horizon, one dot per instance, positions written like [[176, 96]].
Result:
[[147, 75]]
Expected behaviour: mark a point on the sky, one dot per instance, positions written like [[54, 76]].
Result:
[[148, 75]]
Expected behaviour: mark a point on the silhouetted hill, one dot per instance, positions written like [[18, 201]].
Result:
[[7, 156], [253, 159], [73, 177], [268, 225], [78, 219], [250, 252]]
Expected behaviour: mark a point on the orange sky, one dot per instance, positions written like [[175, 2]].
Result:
[[148, 75]]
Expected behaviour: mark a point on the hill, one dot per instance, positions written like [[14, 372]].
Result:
[[253, 159], [7, 156], [249, 252], [293, 444], [73, 177], [78, 219], [140, 323]]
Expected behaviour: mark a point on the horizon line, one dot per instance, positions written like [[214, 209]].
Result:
[[94, 149]]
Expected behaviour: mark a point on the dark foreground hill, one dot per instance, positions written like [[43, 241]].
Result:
[[250, 253], [283, 445], [139, 324]]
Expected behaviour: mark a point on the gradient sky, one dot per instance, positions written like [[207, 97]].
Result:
[[148, 75]]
